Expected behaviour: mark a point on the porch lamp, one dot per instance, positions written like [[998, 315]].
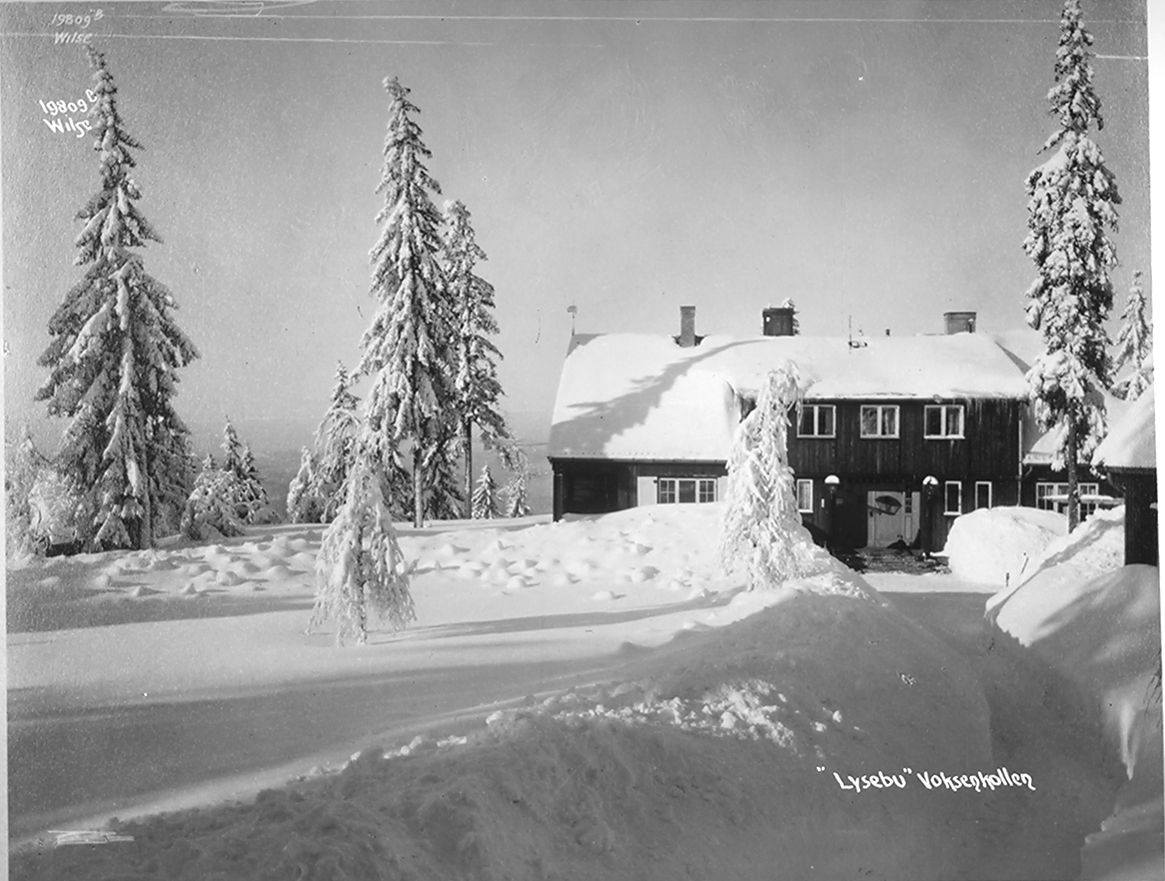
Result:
[[930, 482], [832, 482]]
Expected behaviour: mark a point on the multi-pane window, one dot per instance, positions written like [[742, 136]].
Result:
[[686, 490], [953, 497], [805, 496], [943, 420], [1054, 497], [983, 492], [879, 420], [817, 420]]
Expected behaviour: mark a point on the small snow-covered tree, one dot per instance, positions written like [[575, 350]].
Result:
[[336, 442], [360, 568], [115, 353], [472, 302], [23, 466], [406, 350], [232, 450], [212, 510], [1072, 201], [304, 502], [1134, 345], [515, 491], [762, 529], [485, 503], [517, 502], [249, 494]]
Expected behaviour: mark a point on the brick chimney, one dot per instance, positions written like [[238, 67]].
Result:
[[687, 337], [959, 322], [778, 320]]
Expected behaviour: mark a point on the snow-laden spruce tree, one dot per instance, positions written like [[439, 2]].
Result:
[[115, 353], [762, 531], [213, 508], [407, 349], [23, 466], [1134, 345], [515, 491], [360, 569], [472, 303], [485, 500], [335, 442], [304, 502], [1071, 208], [248, 493], [517, 502]]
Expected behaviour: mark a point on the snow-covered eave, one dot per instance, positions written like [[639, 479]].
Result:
[[641, 459]]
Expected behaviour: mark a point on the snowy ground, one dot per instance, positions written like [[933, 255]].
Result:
[[583, 699]]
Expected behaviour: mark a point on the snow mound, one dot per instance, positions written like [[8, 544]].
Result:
[[1000, 545]]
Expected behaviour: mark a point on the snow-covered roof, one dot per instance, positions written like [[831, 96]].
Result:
[[1042, 449], [1132, 440], [642, 396]]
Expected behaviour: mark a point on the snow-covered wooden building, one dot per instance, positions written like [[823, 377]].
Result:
[[1129, 455], [896, 436]]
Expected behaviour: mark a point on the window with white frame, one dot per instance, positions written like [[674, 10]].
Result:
[[879, 420], [805, 496], [953, 497], [943, 421], [817, 420], [1054, 497], [983, 494], [686, 490]]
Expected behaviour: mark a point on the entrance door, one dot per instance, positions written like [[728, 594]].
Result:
[[891, 516]]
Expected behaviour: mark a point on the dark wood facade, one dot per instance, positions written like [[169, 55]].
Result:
[[1139, 486], [867, 470]]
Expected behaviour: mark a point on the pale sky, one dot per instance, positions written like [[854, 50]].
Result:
[[865, 159]]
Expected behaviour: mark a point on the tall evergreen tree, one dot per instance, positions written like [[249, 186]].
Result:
[[1071, 207], [115, 353], [472, 303], [405, 350], [1134, 345], [232, 450]]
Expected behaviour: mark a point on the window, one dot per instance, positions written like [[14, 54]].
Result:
[[879, 420], [983, 492], [943, 420], [1054, 497], [817, 420], [953, 497], [805, 496], [686, 490]]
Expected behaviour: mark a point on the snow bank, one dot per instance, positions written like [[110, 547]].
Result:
[[1097, 624], [724, 754], [999, 545]]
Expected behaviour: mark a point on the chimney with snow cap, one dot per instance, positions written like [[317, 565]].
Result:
[[778, 320], [687, 337], [959, 322]]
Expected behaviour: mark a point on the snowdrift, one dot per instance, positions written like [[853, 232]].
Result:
[[1000, 545], [1097, 624], [672, 771]]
